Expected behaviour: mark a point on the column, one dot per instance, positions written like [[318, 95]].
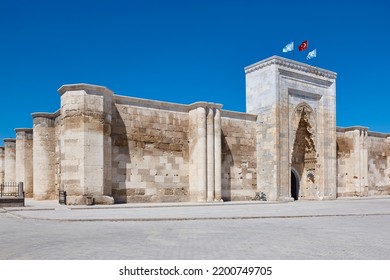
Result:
[[210, 156], [329, 142], [202, 153], [44, 156], [198, 156], [363, 163], [359, 162], [217, 154], [86, 143], [24, 159], [9, 160], [1, 165], [205, 152]]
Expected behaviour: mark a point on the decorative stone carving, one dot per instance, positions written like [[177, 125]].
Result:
[[304, 154], [304, 120]]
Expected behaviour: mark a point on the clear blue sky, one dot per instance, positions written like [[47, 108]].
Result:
[[187, 51]]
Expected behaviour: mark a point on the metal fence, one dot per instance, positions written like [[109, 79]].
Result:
[[11, 189]]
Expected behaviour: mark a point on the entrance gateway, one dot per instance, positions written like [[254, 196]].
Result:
[[296, 129]]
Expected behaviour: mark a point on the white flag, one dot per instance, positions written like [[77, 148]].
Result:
[[312, 54], [289, 47]]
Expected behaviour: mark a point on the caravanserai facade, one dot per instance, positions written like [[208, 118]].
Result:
[[119, 149]]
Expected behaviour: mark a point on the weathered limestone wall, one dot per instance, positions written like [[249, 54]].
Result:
[[86, 143], [352, 174], [239, 156], [44, 155], [352, 162], [363, 162], [378, 164], [57, 152], [149, 151], [9, 160], [261, 99], [1, 165], [24, 159]]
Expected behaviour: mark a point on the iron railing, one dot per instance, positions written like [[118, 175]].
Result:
[[11, 189]]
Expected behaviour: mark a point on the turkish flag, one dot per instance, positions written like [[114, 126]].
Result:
[[303, 46]]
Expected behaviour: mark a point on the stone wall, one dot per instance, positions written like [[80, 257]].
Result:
[[57, 154], [352, 161], [1, 165], [378, 164], [149, 151], [362, 162], [239, 162]]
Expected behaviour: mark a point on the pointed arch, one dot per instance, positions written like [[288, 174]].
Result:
[[303, 149]]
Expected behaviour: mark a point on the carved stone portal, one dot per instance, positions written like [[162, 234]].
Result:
[[304, 158]]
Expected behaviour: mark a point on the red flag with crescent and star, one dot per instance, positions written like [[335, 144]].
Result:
[[303, 46]]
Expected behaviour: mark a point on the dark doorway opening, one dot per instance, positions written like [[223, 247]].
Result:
[[294, 186]]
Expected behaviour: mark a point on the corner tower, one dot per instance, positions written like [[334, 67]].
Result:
[[296, 128], [86, 143]]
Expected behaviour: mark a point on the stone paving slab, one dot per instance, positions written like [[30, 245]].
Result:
[[51, 210], [338, 229]]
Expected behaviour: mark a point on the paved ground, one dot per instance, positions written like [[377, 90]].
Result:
[[340, 229]]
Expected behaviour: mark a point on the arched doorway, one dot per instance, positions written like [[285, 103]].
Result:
[[294, 185]]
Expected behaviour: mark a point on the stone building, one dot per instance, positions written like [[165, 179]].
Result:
[[119, 149]]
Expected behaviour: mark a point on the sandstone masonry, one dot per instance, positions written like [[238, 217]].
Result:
[[109, 148]]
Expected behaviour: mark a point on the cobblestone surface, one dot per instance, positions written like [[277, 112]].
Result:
[[341, 229]]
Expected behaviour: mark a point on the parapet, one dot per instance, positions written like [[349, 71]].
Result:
[[24, 133], [294, 65], [45, 119], [9, 142], [363, 129], [88, 88]]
